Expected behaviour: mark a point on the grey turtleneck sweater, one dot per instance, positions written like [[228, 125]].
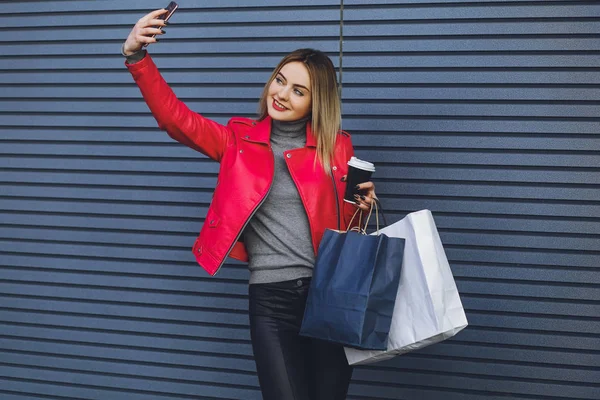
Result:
[[277, 237]]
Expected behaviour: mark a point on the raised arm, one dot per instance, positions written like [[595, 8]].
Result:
[[172, 115]]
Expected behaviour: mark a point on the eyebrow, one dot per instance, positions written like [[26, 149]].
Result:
[[303, 87]]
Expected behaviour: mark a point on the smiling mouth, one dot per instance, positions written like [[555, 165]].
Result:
[[278, 106]]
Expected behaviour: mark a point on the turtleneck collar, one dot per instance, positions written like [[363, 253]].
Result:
[[290, 128]]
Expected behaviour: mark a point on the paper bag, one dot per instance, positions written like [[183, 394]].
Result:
[[428, 307]]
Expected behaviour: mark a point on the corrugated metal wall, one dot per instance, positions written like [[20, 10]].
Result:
[[485, 112], [488, 114]]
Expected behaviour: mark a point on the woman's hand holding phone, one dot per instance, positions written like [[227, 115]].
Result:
[[143, 32]]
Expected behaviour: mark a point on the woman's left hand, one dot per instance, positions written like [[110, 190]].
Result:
[[367, 196], [364, 200]]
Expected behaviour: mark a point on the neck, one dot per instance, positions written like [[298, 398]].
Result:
[[290, 128]]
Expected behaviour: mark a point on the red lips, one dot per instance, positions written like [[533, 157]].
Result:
[[276, 107]]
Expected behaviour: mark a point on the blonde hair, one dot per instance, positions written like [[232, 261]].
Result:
[[326, 113]]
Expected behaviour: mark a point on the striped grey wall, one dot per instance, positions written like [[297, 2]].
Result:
[[100, 297], [485, 112]]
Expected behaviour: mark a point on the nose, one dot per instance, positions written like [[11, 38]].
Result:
[[284, 93]]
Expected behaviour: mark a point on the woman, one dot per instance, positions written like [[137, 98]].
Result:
[[280, 185]]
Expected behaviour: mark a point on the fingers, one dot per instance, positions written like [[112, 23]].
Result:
[[148, 29], [152, 19], [366, 193], [156, 22], [368, 186], [146, 39], [363, 202], [151, 31], [143, 32], [155, 14]]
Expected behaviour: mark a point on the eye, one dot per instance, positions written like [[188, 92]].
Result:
[[278, 80], [298, 92]]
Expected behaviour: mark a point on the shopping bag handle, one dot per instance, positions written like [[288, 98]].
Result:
[[360, 228], [381, 211]]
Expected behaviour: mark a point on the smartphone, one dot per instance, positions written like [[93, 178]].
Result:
[[170, 10]]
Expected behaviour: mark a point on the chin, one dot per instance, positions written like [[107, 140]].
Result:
[[277, 116]]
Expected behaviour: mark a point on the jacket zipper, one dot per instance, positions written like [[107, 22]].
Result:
[[250, 217]]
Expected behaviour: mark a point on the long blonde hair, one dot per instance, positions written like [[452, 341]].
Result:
[[326, 113]]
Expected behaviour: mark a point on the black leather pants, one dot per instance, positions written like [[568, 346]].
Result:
[[290, 366]]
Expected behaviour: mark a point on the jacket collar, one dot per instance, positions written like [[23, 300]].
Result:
[[262, 133]]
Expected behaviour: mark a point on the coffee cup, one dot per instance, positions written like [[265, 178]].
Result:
[[359, 171]]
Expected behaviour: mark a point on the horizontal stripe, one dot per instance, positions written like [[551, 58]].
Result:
[[484, 112]]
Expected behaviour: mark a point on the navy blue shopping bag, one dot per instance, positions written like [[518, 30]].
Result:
[[353, 289]]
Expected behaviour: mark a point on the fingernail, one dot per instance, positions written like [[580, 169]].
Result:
[[357, 187], [163, 31], [158, 40], [362, 197], [356, 196], [343, 179]]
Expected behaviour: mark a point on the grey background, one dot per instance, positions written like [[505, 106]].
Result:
[[485, 112]]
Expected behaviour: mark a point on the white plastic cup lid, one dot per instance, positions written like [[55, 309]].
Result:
[[361, 164]]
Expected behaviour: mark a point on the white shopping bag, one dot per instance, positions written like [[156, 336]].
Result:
[[428, 307]]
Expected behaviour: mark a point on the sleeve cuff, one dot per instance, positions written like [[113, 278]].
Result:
[[135, 57]]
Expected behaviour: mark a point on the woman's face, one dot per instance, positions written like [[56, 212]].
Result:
[[289, 96]]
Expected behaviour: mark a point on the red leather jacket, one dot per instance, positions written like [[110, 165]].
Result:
[[246, 172]]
